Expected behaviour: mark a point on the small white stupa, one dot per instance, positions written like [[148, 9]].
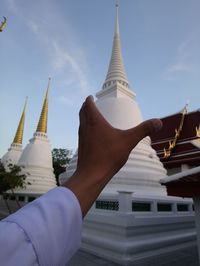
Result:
[[36, 158], [14, 152], [117, 103]]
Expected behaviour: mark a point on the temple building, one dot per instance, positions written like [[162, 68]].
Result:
[[36, 159], [14, 152], [133, 221]]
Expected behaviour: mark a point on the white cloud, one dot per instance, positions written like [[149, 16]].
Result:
[[33, 26], [185, 61], [182, 48], [12, 5], [62, 58], [74, 99], [66, 59], [66, 100], [180, 67]]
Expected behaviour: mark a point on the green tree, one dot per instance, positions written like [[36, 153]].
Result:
[[11, 178], [61, 158]]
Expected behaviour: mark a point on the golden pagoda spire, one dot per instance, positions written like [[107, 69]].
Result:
[[20, 130], [42, 124]]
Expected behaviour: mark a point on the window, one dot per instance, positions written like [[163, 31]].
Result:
[[182, 207], [12, 197], [107, 205], [141, 207], [5, 197], [21, 198], [31, 199], [164, 207]]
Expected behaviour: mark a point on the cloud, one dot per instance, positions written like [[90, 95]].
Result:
[[74, 99], [183, 47], [62, 58], [12, 5], [65, 58], [180, 67], [66, 100], [33, 26], [185, 62]]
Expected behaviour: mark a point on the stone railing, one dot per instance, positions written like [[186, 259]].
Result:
[[127, 202]]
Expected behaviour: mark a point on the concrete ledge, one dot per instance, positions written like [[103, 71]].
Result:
[[127, 239]]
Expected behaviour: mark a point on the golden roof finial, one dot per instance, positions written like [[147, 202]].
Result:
[[172, 143], [167, 153], [198, 131], [185, 109], [20, 130], [3, 24], [42, 124]]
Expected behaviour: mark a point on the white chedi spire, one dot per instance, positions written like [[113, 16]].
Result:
[[116, 70], [143, 170], [36, 158], [116, 83]]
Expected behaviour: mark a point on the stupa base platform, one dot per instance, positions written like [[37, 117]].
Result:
[[136, 237]]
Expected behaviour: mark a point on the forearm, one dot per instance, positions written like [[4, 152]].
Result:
[[87, 187]]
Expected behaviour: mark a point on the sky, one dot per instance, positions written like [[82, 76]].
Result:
[[71, 41]]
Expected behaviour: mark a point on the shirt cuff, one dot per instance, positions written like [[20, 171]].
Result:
[[53, 223]]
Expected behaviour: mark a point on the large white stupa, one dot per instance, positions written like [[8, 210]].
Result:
[[117, 103], [14, 152], [36, 158], [133, 222]]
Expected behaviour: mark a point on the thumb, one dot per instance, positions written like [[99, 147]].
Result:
[[147, 128]]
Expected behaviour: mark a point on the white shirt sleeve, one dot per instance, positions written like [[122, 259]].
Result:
[[46, 232]]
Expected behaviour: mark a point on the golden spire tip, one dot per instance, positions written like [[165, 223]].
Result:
[[42, 124], [20, 130]]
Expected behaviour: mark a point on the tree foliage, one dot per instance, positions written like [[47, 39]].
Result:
[[61, 158], [11, 178]]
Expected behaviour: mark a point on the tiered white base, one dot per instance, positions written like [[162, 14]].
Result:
[[141, 173], [131, 237]]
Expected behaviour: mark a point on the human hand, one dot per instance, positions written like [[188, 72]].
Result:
[[102, 151], [105, 148]]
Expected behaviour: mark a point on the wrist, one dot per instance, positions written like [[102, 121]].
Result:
[[86, 186]]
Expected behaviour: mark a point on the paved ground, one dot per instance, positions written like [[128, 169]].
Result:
[[187, 257], [84, 259]]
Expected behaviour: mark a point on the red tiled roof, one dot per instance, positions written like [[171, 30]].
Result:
[[191, 121]]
